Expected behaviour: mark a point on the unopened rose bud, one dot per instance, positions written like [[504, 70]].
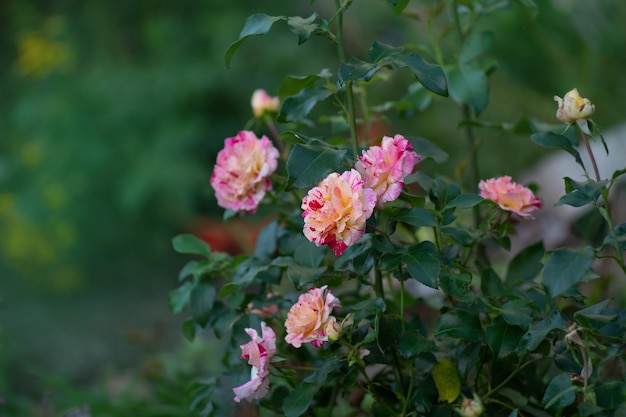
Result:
[[471, 407], [573, 107], [572, 336], [263, 103], [332, 329], [363, 352]]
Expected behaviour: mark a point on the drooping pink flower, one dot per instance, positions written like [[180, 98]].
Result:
[[310, 320], [384, 168], [509, 195], [259, 351], [335, 212], [241, 175], [262, 102]]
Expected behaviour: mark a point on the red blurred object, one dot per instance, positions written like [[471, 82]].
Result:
[[236, 237]]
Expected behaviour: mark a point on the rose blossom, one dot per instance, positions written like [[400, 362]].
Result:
[[258, 351], [573, 107], [336, 210], [262, 102], [509, 195], [240, 177], [384, 168], [309, 320]]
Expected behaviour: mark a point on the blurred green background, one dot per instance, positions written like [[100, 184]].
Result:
[[111, 115]]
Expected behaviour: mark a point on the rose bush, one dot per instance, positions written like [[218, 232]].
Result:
[[381, 291]]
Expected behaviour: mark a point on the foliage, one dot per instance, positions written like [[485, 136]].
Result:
[[431, 322]]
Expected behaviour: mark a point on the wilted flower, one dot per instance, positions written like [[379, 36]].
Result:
[[384, 168], [573, 107], [240, 177], [309, 320], [336, 210], [258, 351], [509, 195], [262, 102]]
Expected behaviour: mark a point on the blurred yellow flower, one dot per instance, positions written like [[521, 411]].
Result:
[[38, 55]]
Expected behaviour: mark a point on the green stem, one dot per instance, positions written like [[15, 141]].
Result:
[[605, 200], [351, 116], [517, 369], [378, 283], [402, 304], [409, 392]]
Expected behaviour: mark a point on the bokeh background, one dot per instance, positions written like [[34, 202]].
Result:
[[111, 115]]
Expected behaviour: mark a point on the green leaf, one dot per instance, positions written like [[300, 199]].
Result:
[[447, 380], [292, 85], [517, 312], [416, 216], [256, 24], [535, 335], [310, 163], [189, 329], [427, 149], [187, 270], [459, 324], [309, 255], [619, 241], [611, 395], [565, 268], [593, 312], [526, 265], [301, 275], [465, 201], [442, 192], [266, 241], [303, 27], [398, 6], [189, 244], [423, 264], [581, 193], [296, 108], [475, 45], [356, 70], [297, 402], [457, 285], [413, 343], [201, 302], [429, 75], [559, 393], [379, 52], [468, 85], [502, 338], [554, 140], [178, 298]]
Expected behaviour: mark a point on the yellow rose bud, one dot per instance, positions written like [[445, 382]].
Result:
[[332, 329], [471, 407], [573, 107], [262, 103]]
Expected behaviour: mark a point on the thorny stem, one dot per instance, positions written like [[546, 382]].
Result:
[[517, 369], [605, 199], [349, 93], [272, 127], [378, 283], [591, 157], [409, 393]]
